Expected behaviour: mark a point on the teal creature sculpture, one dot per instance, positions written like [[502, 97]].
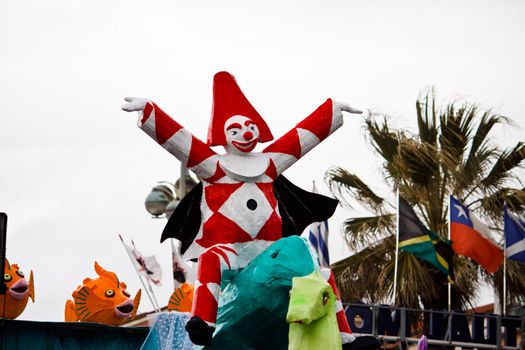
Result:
[[254, 301], [311, 315]]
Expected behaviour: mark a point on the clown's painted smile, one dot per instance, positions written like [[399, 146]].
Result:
[[247, 146], [242, 134]]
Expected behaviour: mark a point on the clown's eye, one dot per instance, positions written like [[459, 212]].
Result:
[[234, 133], [110, 293], [20, 273], [125, 292], [325, 298], [252, 127], [7, 277]]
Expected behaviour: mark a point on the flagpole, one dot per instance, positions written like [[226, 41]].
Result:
[[140, 277], [156, 306], [505, 279], [173, 252], [397, 250], [504, 263], [449, 268], [182, 193]]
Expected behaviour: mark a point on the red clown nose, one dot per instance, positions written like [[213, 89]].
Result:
[[228, 100]]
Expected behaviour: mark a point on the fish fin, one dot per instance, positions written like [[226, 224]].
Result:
[[182, 298], [31, 286], [81, 294], [136, 302], [69, 313], [106, 274], [87, 282]]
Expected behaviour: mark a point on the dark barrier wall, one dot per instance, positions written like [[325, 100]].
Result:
[[29, 335], [386, 321]]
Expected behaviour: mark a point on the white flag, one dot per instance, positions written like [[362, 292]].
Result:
[[181, 271], [148, 266]]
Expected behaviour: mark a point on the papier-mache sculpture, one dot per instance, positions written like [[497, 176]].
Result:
[[254, 300], [18, 291], [182, 298], [243, 203], [311, 314], [102, 300]]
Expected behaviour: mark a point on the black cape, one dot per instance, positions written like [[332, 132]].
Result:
[[298, 209]]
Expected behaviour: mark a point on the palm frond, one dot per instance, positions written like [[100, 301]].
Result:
[[343, 183], [418, 162], [357, 276], [385, 141], [414, 280], [456, 129], [487, 122], [466, 283], [363, 231], [516, 282], [426, 118], [505, 163], [468, 177], [492, 205]]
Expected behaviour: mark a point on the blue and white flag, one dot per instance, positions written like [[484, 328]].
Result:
[[514, 229], [318, 237]]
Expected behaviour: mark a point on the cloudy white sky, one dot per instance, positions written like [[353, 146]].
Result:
[[75, 169]]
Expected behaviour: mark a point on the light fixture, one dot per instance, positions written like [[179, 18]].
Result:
[[158, 199]]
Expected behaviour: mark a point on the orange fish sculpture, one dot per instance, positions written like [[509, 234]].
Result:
[[18, 291], [102, 300], [182, 298]]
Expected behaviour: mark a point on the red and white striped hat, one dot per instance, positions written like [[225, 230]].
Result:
[[228, 100]]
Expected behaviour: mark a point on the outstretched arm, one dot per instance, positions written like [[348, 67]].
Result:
[[307, 134], [191, 151]]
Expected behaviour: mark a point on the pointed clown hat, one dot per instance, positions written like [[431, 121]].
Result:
[[228, 100]]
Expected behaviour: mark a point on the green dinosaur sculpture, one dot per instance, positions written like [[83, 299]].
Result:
[[311, 314]]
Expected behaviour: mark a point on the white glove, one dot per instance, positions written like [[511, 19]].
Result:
[[339, 108], [134, 104]]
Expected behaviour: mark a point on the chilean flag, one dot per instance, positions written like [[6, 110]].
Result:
[[470, 237]]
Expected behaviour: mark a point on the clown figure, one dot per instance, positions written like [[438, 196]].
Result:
[[240, 217]]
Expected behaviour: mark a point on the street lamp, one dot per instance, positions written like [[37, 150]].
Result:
[[158, 200], [162, 200]]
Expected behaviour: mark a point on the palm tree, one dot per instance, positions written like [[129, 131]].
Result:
[[450, 154]]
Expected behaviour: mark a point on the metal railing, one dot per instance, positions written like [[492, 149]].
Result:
[[404, 326]]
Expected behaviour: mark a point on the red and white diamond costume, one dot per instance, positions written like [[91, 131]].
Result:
[[240, 217]]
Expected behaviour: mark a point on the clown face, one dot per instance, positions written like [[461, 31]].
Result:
[[242, 135]]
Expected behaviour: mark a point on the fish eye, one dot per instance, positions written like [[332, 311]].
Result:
[[110, 293], [7, 277], [125, 292], [325, 298], [20, 273]]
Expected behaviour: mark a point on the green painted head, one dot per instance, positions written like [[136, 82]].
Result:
[[311, 298]]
